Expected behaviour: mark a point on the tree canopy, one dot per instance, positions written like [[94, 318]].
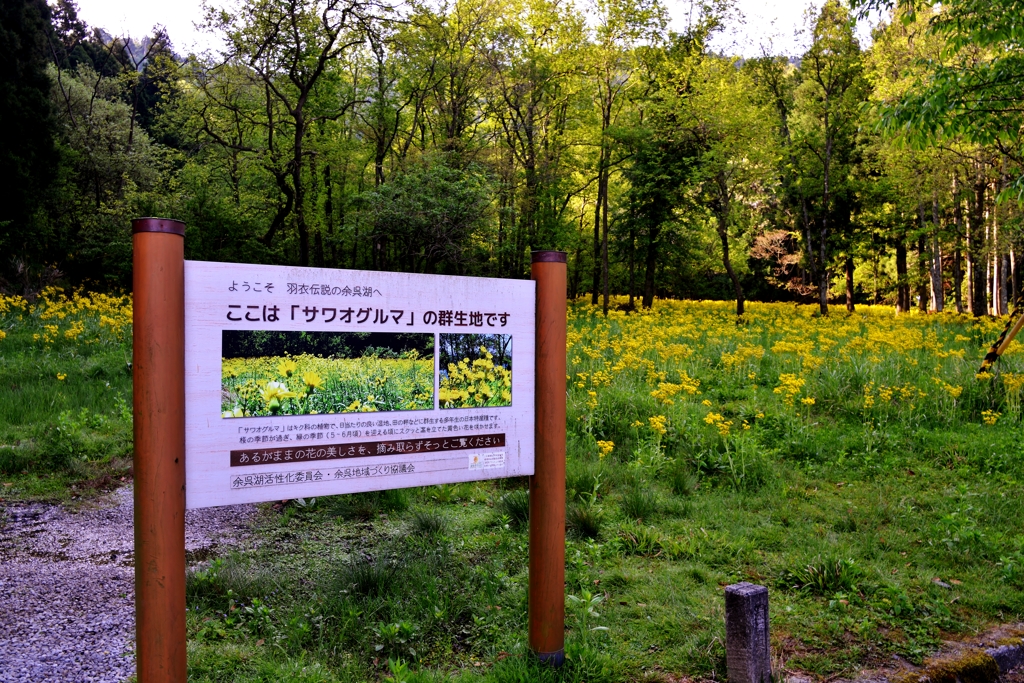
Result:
[[456, 136]]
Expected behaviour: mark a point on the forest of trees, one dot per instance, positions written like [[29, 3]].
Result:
[[454, 136]]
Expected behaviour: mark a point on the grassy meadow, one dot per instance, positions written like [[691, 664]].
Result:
[[855, 465], [65, 393]]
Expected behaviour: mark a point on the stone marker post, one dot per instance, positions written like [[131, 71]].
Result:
[[747, 654]]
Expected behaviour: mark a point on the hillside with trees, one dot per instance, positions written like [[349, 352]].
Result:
[[455, 136]]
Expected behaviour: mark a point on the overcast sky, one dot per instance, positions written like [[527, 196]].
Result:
[[776, 24]]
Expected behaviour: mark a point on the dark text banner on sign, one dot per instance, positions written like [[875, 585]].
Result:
[[365, 449]]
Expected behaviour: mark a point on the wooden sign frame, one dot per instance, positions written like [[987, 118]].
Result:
[[174, 362]]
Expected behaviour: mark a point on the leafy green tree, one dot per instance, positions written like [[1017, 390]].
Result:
[[431, 214], [285, 49], [828, 102]]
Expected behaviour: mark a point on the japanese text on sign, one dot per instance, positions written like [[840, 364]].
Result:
[[364, 449]]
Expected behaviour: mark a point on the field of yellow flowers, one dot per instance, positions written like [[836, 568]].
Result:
[[856, 465], [691, 366], [310, 385], [65, 385], [475, 378]]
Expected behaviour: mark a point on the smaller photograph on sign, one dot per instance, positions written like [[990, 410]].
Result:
[[475, 370], [271, 372]]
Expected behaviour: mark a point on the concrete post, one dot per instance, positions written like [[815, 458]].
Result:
[[747, 651]]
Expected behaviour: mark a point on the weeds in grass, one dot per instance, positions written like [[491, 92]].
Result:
[[681, 479], [428, 523], [824, 576], [636, 539], [365, 506], [514, 506], [583, 519], [639, 503], [906, 488], [369, 577]]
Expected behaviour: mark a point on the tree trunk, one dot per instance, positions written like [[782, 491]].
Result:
[[922, 275], [1004, 284], [595, 292], [976, 245], [875, 298], [826, 209], [811, 260], [298, 152], [632, 267], [1016, 277], [938, 289], [723, 235], [650, 263], [604, 246], [849, 284], [329, 210], [902, 286], [958, 267], [958, 280]]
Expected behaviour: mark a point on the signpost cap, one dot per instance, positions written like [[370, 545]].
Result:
[[548, 256], [158, 225]]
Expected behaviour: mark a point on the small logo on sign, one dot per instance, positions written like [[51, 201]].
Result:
[[487, 461]]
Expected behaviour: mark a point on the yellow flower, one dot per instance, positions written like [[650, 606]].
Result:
[[706, 402], [287, 367], [807, 401], [604, 448], [61, 376], [657, 423], [990, 416], [274, 393], [312, 380]]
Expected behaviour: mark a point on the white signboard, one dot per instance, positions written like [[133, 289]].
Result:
[[304, 382]]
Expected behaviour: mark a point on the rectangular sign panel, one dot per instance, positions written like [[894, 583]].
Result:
[[303, 382]]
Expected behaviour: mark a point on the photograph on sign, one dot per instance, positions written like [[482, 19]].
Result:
[[475, 370], [271, 372], [304, 382]]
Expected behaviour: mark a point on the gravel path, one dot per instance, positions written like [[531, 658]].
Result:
[[67, 586]]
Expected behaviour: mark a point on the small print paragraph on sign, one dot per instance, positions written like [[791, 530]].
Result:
[[364, 450]]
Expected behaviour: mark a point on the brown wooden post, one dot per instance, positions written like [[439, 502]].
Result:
[[159, 407], [547, 485]]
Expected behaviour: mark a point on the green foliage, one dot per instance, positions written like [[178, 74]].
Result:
[[584, 519], [824, 576], [639, 503], [513, 508], [429, 523]]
